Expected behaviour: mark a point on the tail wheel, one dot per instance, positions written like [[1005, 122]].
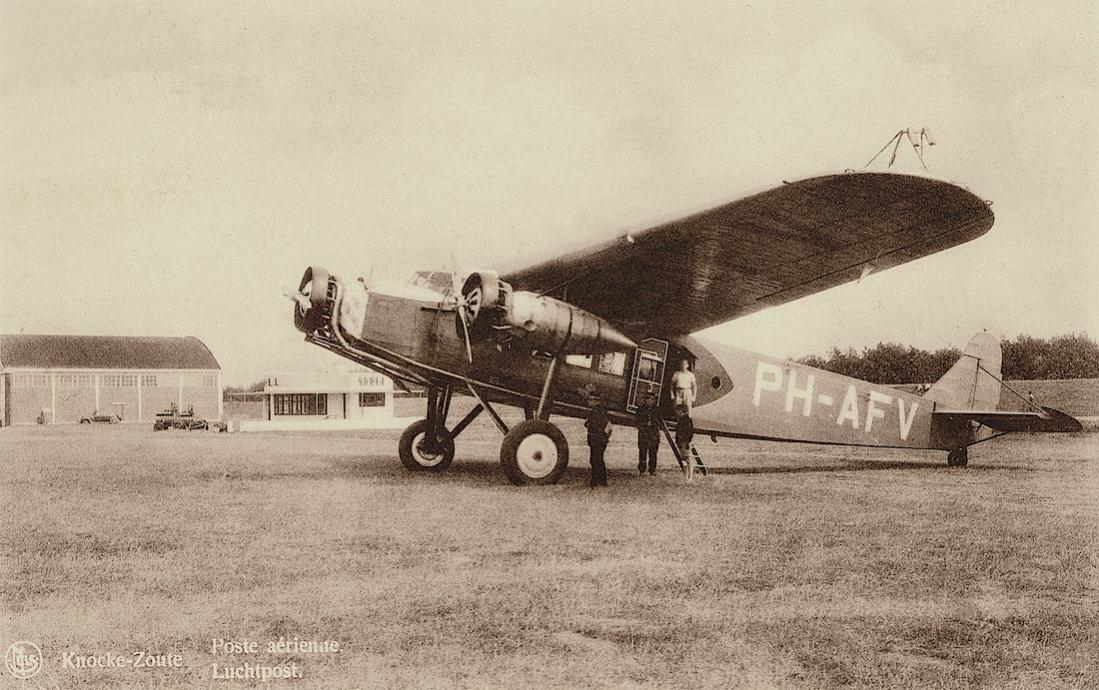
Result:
[[958, 458], [416, 453], [534, 452]]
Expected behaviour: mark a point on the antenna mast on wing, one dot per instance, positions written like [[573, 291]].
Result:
[[918, 140]]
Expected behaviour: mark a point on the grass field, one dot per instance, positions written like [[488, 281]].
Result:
[[795, 566]]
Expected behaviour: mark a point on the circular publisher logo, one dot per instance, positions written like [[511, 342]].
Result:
[[23, 659]]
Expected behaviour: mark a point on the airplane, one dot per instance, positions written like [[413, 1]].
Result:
[[612, 321]]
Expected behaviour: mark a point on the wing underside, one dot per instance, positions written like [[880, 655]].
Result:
[[760, 251]]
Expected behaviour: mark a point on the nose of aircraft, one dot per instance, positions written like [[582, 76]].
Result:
[[309, 302]]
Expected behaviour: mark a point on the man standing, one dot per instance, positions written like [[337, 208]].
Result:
[[599, 432], [684, 387], [648, 439], [684, 434]]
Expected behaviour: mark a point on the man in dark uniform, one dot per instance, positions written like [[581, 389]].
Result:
[[648, 439], [599, 432], [684, 434]]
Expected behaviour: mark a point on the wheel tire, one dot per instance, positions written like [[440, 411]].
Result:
[[957, 458], [414, 459], [534, 452]]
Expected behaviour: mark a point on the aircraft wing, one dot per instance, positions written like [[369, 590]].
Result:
[[1052, 421], [759, 251]]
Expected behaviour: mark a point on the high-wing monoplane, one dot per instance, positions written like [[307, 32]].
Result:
[[615, 319]]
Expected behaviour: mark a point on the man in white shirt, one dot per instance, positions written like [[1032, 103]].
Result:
[[684, 387]]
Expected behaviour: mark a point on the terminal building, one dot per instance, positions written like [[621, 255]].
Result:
[[358, 400], [62, 378]]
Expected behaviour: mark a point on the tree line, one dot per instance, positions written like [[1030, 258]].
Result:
[[1074, 356]]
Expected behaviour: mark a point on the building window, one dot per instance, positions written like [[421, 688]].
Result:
[[301, 404], [613, 363], [583, 361], [110, 380], [31, 381], [127, 380], [149, 381], [371, 399], [75, 380], [210, 380]]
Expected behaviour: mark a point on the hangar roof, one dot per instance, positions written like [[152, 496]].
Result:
[[104, 352]]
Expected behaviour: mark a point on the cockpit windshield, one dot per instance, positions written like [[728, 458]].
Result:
[[438, 282]]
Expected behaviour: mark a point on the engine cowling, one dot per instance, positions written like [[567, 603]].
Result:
[[313, 302], [494, 311]]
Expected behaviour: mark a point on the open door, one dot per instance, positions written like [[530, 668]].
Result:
[[647, 375]]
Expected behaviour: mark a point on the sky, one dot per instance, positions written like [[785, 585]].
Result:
[[172, 168]]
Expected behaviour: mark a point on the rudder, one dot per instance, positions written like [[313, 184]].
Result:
[[973, 383]]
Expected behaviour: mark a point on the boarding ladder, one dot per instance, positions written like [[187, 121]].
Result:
[[675, 449]]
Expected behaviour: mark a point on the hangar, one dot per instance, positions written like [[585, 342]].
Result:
[[66, 377]]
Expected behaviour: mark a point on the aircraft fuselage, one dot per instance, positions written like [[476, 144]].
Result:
[[740, 393]]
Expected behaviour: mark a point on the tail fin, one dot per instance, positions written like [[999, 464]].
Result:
[[973, 383]]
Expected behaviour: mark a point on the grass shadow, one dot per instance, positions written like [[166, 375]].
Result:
[[865, 466]]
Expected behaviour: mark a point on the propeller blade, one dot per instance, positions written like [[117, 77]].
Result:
[[465, 333]]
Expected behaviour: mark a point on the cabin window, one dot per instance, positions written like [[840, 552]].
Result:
[[648, 369], [715, 382], [613, 363]]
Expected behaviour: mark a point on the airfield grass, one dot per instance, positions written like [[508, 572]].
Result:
[[793, 567]]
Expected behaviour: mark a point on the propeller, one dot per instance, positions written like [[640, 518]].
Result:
[[309, 299], [464, 305]]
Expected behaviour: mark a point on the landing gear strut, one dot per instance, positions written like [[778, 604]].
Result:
[[958, 457], [427, 445]]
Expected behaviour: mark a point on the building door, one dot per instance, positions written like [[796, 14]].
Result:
[[647, 375]]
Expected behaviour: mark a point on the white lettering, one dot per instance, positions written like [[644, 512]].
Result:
[[906, 422], [806, 394], [768, 378], [244, 646], [849, 410], [872, 411], [256, 672]]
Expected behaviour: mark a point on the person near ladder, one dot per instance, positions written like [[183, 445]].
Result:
[[648, 439], [684, 434]]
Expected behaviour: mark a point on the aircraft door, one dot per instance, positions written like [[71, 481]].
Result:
[[647, 375]]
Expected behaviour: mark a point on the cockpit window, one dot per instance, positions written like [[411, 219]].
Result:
[[436, 281]]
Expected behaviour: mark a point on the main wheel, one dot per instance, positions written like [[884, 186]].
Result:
[[414, 454], [958, 458], [534, 452]]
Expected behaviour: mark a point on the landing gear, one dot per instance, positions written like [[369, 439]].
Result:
[[958, 458], [419, 451], [426, 445], [534, 452]]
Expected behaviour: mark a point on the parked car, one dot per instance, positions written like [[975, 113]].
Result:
[[101, 418]]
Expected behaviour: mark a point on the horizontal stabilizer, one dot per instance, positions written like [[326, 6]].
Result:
[[1050, 422]]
